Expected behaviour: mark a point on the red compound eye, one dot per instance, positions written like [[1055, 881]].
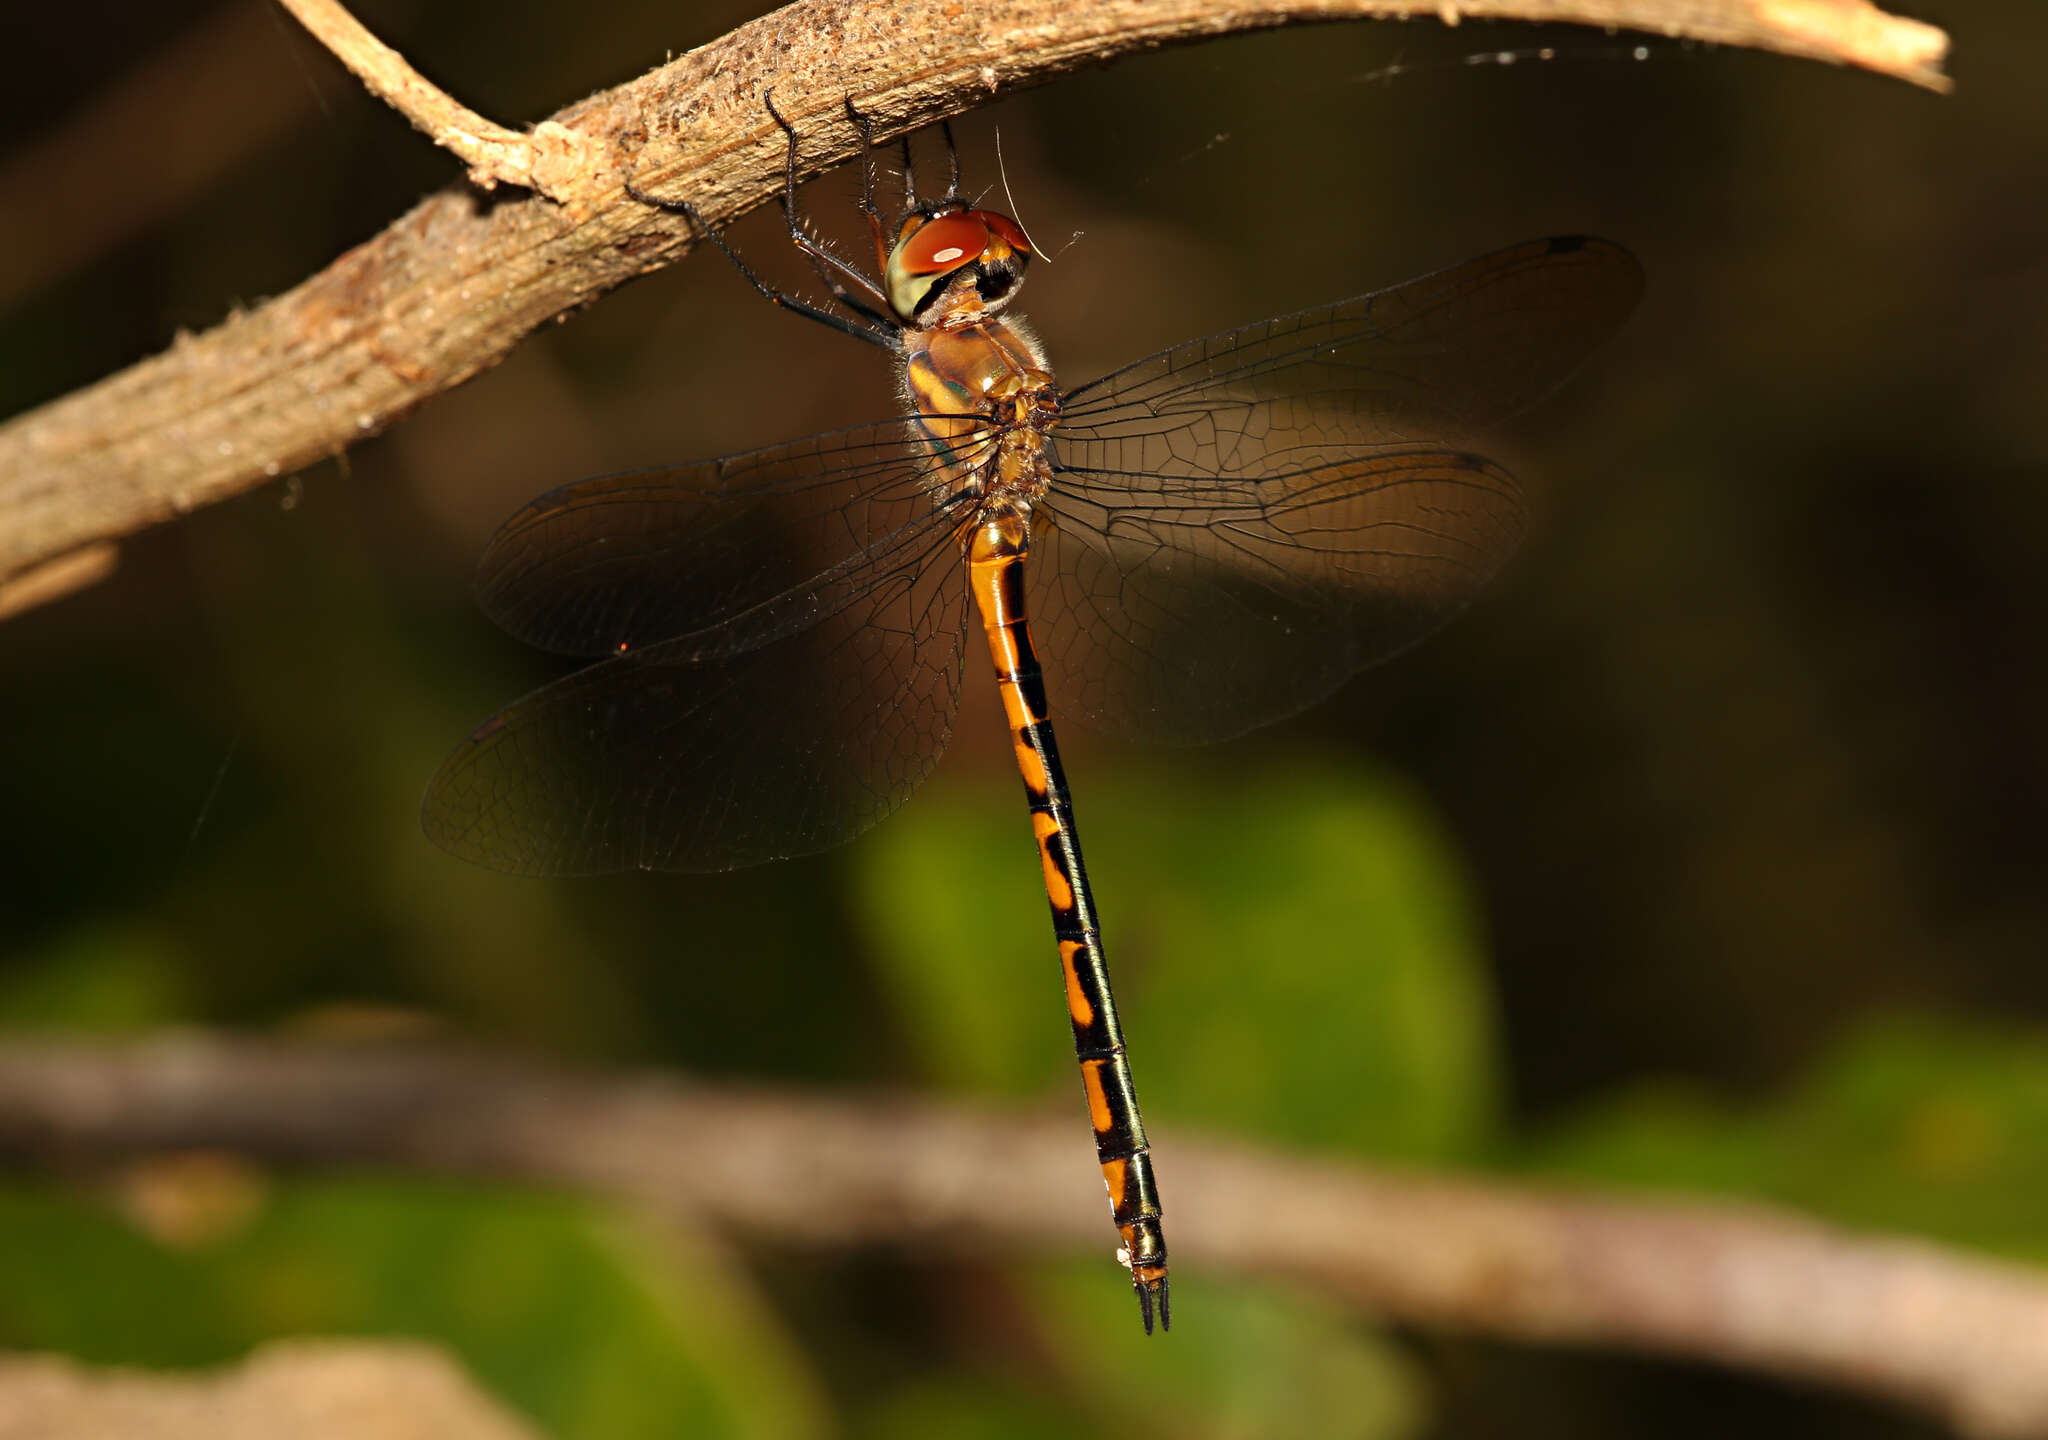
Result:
[[944, 243], [1004, 229]]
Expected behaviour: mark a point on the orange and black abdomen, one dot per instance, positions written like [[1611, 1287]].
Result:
[[996, 557]]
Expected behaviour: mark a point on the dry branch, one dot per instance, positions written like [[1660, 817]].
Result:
[[54, 579], [448, 289], [492, 152], [1964, 1338]]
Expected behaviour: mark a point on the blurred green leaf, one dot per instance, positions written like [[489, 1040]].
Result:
[[1914, 1123], [1294, 952], [1243, 1362], [961, 1408], [600, 1329], [105, 978]]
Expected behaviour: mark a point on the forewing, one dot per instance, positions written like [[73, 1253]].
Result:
[[786, 729], [1239, 524], [625, 561], [1448, 352]]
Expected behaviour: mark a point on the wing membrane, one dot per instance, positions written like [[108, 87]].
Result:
[[785, 730], [1458, 348], [1199, 616], [1293, 501], [629, 560]]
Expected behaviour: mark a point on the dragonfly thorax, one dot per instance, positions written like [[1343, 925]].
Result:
[[954, 267], [982, 397]]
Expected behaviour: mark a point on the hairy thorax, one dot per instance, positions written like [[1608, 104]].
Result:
[[982, 398]]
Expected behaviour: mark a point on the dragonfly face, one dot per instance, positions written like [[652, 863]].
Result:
[[1225, 533], [955, 267]]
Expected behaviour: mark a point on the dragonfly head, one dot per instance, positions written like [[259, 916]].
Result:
[[955, 266]]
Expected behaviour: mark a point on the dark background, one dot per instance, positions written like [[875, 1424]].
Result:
[[1719, 822]]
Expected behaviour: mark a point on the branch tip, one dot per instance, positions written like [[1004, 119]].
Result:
[[494, 154]]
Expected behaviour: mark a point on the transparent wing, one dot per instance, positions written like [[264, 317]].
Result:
[[1198, 614], [784, 729], [629, 560], [1241, 523], [1462, 347]]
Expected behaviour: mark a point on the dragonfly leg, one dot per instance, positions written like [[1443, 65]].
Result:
[[875, 306], [911, 204], [867, 183], [877, 334], [952, 160]]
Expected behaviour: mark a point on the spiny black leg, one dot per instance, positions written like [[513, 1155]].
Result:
[[788, 159], [876, 335], [952, 161], [873, 308], [867, 158], [910, 205], [867, 185]]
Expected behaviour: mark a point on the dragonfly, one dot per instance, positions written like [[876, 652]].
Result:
[[1208, 540]]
